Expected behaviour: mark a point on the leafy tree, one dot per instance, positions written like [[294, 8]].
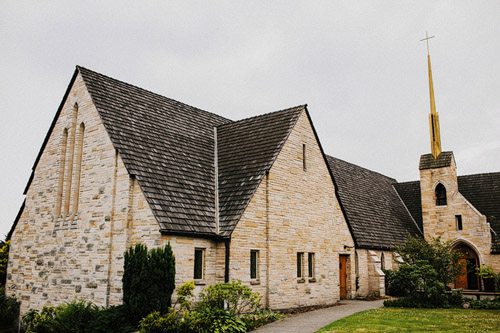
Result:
[[436, 254], [428, 267], [148, 280], [4, 259]]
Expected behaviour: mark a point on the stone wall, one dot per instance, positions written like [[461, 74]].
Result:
[[56, 255], [59, 249], [294, 210], [439, 221], [70, 244], [371, 278]]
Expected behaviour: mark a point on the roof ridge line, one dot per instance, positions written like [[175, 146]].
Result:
[[482, 173], [303, 106], [78, 67], [381, 174]]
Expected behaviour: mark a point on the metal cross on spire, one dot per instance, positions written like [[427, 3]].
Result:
[[427, 40]]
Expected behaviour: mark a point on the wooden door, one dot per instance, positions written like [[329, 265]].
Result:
[[461, 280], [343, 276]]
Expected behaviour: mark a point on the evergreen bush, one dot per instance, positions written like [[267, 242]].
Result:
[[9, 311], [148, 280]]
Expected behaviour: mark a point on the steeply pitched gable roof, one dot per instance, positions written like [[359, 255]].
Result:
[[167, 145], [247, 150], [377, 217], [481, 190]]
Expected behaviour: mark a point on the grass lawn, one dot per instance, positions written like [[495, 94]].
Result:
[[418, 320]]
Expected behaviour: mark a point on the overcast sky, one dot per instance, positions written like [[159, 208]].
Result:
[[359, 65]]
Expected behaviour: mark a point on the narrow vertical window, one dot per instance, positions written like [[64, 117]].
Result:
[[382, 261], [304, 164], [199, 259], [254, 264], [62, 167], [300, 260], [440, 195], [458, 221], [356, 269], [78, 170], [70, 156], [310, 265]]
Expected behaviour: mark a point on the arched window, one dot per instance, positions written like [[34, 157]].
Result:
[[440, 195], [382, 261], [70, 158], [78, 167], [62, 166]]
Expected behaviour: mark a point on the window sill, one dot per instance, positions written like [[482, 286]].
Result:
[[200, 282], [254, 282], [311, 280], [301, 280]]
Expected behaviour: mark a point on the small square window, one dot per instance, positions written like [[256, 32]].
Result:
[[458, 221], [254, 264], [300, 260], [310, 264], [199, 258]]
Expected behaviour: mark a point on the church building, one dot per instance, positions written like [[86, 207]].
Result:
[[256, 200]]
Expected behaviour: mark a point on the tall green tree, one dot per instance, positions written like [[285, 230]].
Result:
[[148, 280]]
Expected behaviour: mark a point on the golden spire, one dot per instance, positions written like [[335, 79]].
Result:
[[433, 116]]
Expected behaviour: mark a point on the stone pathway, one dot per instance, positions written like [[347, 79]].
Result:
[[314, 320]]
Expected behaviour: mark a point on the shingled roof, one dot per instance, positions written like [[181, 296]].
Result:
[[428, 161], [377, 217], [169, 147], [481, 190], [247, 150]]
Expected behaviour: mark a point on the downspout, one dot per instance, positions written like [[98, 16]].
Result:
[[267, 240], [227, 242], [216, 169]]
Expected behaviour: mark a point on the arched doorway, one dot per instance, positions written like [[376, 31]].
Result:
[[469, 278]]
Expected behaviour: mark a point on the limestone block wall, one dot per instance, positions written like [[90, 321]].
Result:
[[371, 278], [62, 244], [439, 221], [294, 210], [70, 244]]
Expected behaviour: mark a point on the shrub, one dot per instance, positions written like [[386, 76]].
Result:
[[112, 319], [440, 256], [158, 323], [257, 319], [74, 316], [399, 283], [9, 311], [77, 316], [39, 322], [234, 296], [213, 320], [148, 280], [184, 296], [488, 304], [427, 269]]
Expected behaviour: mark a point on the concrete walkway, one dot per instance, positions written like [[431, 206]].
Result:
[[314, 320]]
